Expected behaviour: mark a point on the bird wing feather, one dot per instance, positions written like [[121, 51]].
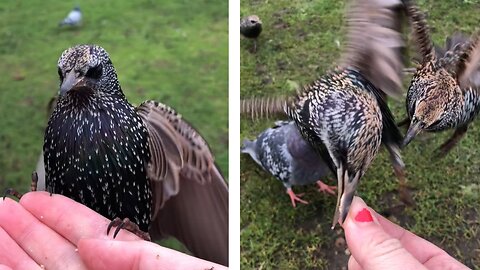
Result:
[[420, 32], [375, 43], [190, 193], [468, 72]]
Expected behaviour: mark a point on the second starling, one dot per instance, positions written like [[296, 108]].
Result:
[[251, 27], [445, 90]]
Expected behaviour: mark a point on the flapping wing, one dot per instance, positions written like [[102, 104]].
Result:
[[190, 194], [449, 56], [375, 44], [468, 72]]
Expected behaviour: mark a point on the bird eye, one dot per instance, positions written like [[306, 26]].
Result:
[[94, 72], [252, 21], [60, 74]]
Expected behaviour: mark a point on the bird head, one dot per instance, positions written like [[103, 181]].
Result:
[[86, 70], [253, 20], [440, 91]]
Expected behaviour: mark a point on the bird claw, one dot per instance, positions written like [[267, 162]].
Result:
[[12, 192], [128, 225], [295, 197], [18, 195], [324, 188]]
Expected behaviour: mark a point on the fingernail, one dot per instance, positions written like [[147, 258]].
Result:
[[364, 216]]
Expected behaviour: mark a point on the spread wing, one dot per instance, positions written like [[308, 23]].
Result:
[[375, 44], [190, 194], [468, 72]]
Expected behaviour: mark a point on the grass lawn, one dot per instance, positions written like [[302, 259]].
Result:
[[175, 52], [300, 41]]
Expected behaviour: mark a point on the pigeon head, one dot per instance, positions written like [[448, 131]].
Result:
[[86, 70]]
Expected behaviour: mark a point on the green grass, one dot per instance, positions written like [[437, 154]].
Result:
[[175, 52], [298, 44]]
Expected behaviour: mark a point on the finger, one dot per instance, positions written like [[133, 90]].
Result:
[[353, 264], [70, 219], [370, 245], [425, 252], [42, 244], [4, 267], [109, 254], [12, 255]]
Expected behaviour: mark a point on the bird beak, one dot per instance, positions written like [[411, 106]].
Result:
[[413, 130], [70, 82], [346, 191]]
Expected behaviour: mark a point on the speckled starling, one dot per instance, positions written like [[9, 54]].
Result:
[[251, 27], [282, 151], [343, 115], [145, 163], [445, 90]]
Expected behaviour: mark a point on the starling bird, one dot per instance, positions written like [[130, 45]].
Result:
[[74, 18], [445, 90], [146, 163], [284, 153], [251, 27], [343, 115]]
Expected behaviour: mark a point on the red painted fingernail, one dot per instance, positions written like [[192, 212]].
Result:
[[364, 216]]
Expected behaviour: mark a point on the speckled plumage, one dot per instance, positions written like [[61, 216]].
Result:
[[445, 90], [144, 163], [343, 114], [282, 151], [96, 147]]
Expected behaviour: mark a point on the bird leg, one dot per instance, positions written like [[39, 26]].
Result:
[[322, 187], [254, 46], [18, 195], [128, 225], [450, 143], [295, 197]]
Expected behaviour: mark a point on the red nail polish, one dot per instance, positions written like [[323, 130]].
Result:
[[364, 216]]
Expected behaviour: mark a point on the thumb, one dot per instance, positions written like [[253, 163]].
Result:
[[371, 247]]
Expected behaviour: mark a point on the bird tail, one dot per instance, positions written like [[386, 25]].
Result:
[[264, 107]]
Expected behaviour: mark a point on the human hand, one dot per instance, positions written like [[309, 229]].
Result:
[[377, 243], [55, 232]]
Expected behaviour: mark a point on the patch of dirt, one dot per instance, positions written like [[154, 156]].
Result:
[[337, 256], [395, 209]]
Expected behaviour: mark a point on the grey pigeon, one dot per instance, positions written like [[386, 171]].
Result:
[[74, 18], [251, 27], [282, 151]]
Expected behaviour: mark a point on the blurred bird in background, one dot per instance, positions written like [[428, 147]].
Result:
[[445, 89], [74, 17], [282, 151], [344, 114], [251, 27], [146, 164]]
